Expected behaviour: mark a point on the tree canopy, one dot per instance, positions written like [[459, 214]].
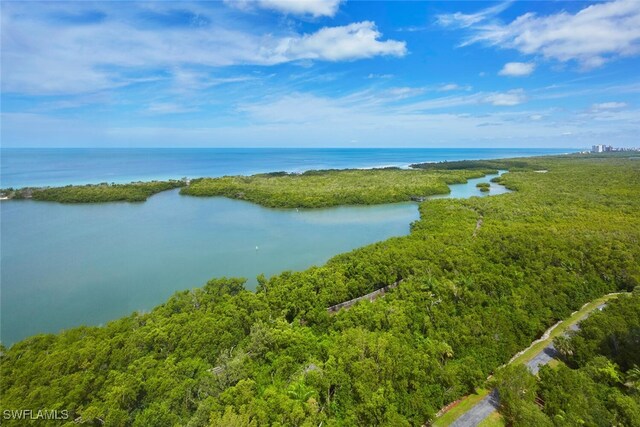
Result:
[[469, 299]]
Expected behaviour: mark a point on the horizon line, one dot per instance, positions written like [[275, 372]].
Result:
[[297, 148]]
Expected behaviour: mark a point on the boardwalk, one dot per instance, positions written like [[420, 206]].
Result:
[[370, 296]]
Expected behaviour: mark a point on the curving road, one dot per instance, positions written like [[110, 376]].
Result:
[[481, 410]]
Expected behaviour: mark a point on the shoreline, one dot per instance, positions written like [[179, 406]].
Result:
[[472, 308], [19, 193], [312, 189], [319, 164]]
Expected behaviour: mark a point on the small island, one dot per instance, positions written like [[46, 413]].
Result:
[[484, 187]]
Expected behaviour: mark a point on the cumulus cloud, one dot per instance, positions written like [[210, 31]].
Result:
[[517, 69], [354, 41], [591, 37], [315, 8], [41, 57]]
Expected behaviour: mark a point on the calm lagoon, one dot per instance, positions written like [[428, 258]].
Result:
[[68, 265]]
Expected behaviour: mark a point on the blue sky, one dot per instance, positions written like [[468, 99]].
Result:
[[269, 73]]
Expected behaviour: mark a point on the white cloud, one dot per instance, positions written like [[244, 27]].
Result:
[[192, 81], [345, 43], [379, 76], [500, 99], [411, 29], [297, 108], [315, 8], [305, 119], [592, 36], [536, 117], [41, 57], [448, 87], [404, 92], [507, 99], [453, 86], [168, 108], [463, 20], [608, 106], [517, 69]]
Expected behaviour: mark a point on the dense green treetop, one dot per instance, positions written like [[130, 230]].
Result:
[[99, 193], [313, 189], [600, 383], [470, 298]]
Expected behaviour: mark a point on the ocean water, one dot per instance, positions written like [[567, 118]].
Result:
[[54, 167]]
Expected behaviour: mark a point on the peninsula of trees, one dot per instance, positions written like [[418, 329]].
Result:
[[314, 189], [470, 295], [99, 193], [311, 189]]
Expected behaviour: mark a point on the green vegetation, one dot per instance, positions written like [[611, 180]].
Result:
[[493, 420], [314, 189], [133, 192], [598, 385], [470, 299], [563, 328], [510, 164], [484, 186], [558, 331], [460, 408]]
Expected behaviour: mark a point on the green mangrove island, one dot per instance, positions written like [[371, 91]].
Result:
[[315, 189], [98, 193], [484, 186], [474, 282], [311, 189]]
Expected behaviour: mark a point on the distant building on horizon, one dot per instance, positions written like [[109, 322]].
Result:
[[609, 148], [602, 148]]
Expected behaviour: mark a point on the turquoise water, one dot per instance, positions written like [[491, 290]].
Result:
[[469, 189], [67, 265], [41, 166]]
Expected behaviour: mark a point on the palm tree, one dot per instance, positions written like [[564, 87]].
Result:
[[563, 345], [300, 391]]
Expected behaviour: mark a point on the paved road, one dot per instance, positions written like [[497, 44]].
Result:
[[479, 412], [545, 356], [490, 403]]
